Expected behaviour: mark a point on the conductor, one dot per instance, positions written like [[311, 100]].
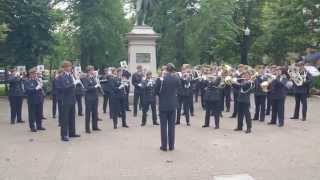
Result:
[[166, 88]]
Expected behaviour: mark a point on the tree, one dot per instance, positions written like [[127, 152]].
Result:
[[30, 23]]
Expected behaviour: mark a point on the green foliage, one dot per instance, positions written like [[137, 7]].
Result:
[[29, 39]]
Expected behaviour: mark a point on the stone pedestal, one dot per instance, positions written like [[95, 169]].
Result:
[[142, 48]]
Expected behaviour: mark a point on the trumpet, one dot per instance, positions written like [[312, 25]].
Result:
[[296, 75]]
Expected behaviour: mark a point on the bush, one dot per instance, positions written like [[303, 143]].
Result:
[[2, 90], [317, 83]]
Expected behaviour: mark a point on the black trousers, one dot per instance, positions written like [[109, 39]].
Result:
[[196, 94], [145, 109], [41, 108], [54, 105], [137, 98], [244, 112], [260, 103], [68, 124], [35, 119], [119, 111], [184, 102], [167, 126], [91, 114], [235, 103], [203, 104], [60, 112], [269, 105], [79, 103], [213, 108], [226, 100], [301, 98], [15, 108], [277, 111], [106, 97]]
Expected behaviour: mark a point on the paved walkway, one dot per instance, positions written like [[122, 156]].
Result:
[[269, 153]]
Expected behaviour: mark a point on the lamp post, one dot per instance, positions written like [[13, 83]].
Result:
[[245, 48]]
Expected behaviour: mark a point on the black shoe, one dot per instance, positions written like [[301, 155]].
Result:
[[255, 119], [143, 124], [44, 118], [171, 149], [33, 130], [104, 112], [217, 127], [156, 124], [128, 110], [88, 131], [304, 119], [280, 125], [12, 122], [96, 129], [237, 129], [125, 126], [115, 127], [261, 120], [134, 115], [233, 116], [188, 124], [80, 114], [177, 123], [248, 131], [294, 118], [228, 110], [192, 114], [21, 121], [271, 123], [163, 149], [75, 136], [41, 129], [54, 116], [205, 126], [64, 139]]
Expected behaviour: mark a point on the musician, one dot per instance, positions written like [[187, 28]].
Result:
[[236, 90], [126, 76], [246, 86], [185, 97], [301, 93], [137, 78], [15, 94], [91, 99], [40, 75], [106, 86], [226, 96], [149, 99], [117, 100], [260, 95], [56, 96], [271, 71], [34, 94], [166, 88], [67, 85], [79, 94], [278, 95], [213, 101]]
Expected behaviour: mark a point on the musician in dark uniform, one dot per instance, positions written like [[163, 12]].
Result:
[[167, 88], [79, 95], [91, 99], [106, 86], [67, 85], [246, 86], [301, 93], [137, 78], [57, 97], [15, 94], [126, 76], [213, 101], [236, 91], [278, 95], [149, 99], [260, 95], [185, 97], [33, 88], [118, 98]]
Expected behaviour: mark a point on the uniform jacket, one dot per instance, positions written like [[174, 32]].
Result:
[[15, 86], [34, 96], [167, 90]]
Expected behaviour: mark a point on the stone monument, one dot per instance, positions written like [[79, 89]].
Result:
[[142, 40], [142, 48]]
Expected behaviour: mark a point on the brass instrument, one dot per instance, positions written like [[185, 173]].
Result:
[[296, 75]]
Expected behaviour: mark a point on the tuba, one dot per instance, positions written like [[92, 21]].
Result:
[[296, 75]]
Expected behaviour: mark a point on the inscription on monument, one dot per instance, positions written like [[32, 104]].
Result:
[[143, 57]]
